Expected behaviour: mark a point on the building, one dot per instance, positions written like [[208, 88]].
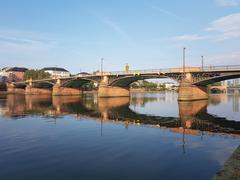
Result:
[[12, 74], [171, 85], [57, 72], [167, 85]]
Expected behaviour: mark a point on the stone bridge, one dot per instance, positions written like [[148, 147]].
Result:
[[192, 81]]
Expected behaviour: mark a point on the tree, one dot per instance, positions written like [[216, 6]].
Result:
[[145, 84], [216, 84], [36, 74]]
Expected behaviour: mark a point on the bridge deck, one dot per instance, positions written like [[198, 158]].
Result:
[[205, 69]]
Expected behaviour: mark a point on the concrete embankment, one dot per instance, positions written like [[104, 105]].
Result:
[[231, 168]]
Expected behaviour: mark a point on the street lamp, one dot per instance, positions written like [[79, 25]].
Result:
[[202, 62], [102, 67], [184, 49], [55, 72]]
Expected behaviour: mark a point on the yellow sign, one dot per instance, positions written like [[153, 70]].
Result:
[[126, 67], [136, 74]]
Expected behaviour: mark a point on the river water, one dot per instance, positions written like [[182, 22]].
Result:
[[147, 136]]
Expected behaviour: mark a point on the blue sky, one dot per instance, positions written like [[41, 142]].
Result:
[[76, 34]]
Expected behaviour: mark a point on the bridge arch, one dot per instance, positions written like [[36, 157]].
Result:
[[77, 82], [43, 84], [127, 80], [215, 79]]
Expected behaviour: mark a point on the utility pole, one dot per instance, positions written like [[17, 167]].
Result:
[[184, 49], [55, 72], [102, 67]]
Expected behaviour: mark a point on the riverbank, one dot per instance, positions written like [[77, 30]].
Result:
[[231, 168]]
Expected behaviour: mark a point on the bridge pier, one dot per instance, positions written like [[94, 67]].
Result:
[[189, 92], [111, 91], [37, 91], [192, 93], [11, 89], [59, 90], [64, 91], [105, 91]]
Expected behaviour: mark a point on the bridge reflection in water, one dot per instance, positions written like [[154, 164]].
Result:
[[193, 116]]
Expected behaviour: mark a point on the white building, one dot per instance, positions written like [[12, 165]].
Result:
[[57, 72], [169, 85]]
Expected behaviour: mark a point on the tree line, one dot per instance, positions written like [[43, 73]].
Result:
[[36, 74]]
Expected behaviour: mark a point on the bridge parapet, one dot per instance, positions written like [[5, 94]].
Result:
[[227, 68]]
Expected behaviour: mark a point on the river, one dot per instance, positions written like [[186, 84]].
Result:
[[147, 136]]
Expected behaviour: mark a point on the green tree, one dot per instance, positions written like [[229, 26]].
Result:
[[146, 85], [216, 84], [36, 74], [134, 85]]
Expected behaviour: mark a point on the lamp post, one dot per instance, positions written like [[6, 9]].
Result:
[[55, 72], [202, 62], [184, 49], [102, 67]]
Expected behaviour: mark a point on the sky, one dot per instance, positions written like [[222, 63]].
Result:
[[146, 34]]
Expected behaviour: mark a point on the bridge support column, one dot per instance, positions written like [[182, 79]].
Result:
[[64, 91], [189, 92], [111, 91], [104, 90], [11, 89], [58, 90], [37, 91]]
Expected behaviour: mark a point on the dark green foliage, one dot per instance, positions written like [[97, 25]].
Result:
[[36, 74], [216, 84], [147, 86]]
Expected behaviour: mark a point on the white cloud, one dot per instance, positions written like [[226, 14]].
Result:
[[228, 26], [22, 42], [224, 28], [232, 58], [190, 37], [227, 3]]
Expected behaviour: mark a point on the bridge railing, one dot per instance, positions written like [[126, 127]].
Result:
[[139, 71], [180, 69], [223, 68]]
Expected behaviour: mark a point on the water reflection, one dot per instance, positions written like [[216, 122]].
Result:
[[193, 117]]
